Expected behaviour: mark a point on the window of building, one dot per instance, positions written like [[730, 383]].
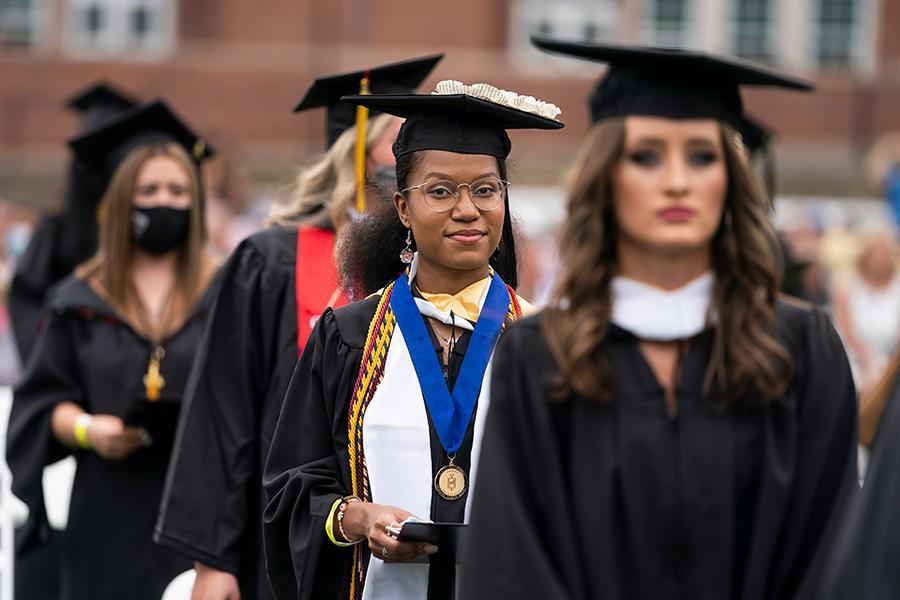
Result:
[[585, 20], [665, 22], [139, 28], [752, 29], [20, 22], [835, 25]]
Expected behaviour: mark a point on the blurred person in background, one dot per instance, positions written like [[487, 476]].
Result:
[[64, 240], [107, 373], [274, 287], [10, 364], [805, 276], [882, 164], [863, 563], [228, 221], [15, 233], [867, 306], [873, 403]]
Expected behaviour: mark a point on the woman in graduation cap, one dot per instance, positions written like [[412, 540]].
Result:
[[274, 287], [669, 427], [108, 371], [383, 417]]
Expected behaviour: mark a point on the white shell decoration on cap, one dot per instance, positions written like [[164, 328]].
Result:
[[485, 91]]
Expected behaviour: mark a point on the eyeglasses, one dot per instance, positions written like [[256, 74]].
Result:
[[441, 196]]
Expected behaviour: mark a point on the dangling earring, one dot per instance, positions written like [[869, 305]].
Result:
[[407, 254]]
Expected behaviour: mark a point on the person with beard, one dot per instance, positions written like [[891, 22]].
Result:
[[274, 287], [110, 367], [63, 241], [383, 418]]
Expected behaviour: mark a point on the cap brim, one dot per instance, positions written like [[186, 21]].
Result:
[[405, 75], [675, 60], [100, 94], [470, 107], [93, 148]]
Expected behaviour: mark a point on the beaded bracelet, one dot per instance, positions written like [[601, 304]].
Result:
[[340, 518]]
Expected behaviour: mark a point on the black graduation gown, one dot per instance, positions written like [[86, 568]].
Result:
[[88, 355], [59, 243], [580, 500], [212, 505], [308, 463], [864, 563], [36, 273]]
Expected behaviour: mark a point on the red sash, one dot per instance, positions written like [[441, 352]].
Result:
[[316, 284]]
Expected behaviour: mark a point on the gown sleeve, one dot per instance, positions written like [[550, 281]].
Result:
[[211, 480], [863, 564], [520, 543], [51, 377], [825, 470], [307, 470]]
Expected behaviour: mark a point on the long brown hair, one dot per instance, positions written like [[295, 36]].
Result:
[[109, 271], [747, 359]]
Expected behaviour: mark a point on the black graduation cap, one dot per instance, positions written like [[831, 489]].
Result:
[[104, 147], [755, 134], [670, 82], [98, 102], [460, 123], [398, 77]]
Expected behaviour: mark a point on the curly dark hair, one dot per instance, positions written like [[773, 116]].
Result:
[[748, 360], [368, 249]]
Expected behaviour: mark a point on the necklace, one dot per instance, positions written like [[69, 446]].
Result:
[[446, 341]]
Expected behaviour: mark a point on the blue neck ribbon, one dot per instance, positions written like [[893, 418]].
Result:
[[450, 413]]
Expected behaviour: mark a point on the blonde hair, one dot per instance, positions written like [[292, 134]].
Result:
[[326, 189], [109, 270]]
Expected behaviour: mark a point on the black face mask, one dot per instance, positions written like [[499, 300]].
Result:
[[160, 229]]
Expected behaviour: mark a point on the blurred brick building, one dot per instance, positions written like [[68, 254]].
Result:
[[235, 68]]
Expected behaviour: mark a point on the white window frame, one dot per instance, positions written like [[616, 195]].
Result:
[[770, 31], [114, 39], [35, 16], [569, 19], [856, 49], [649, 33]]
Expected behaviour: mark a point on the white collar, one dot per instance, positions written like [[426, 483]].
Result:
[[650, 313]]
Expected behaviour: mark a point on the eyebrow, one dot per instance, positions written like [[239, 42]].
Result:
[[661, 142], [446, 176]]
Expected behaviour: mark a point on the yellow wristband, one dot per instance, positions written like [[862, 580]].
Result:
[[81, 431], [329, 525]]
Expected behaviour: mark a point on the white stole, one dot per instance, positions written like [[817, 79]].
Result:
[[397, 446]]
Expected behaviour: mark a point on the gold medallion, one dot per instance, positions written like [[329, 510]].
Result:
[[450, 482]]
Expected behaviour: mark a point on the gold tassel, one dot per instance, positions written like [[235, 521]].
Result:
[[362, 120]]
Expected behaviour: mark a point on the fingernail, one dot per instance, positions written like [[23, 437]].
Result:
[[431, 549]]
